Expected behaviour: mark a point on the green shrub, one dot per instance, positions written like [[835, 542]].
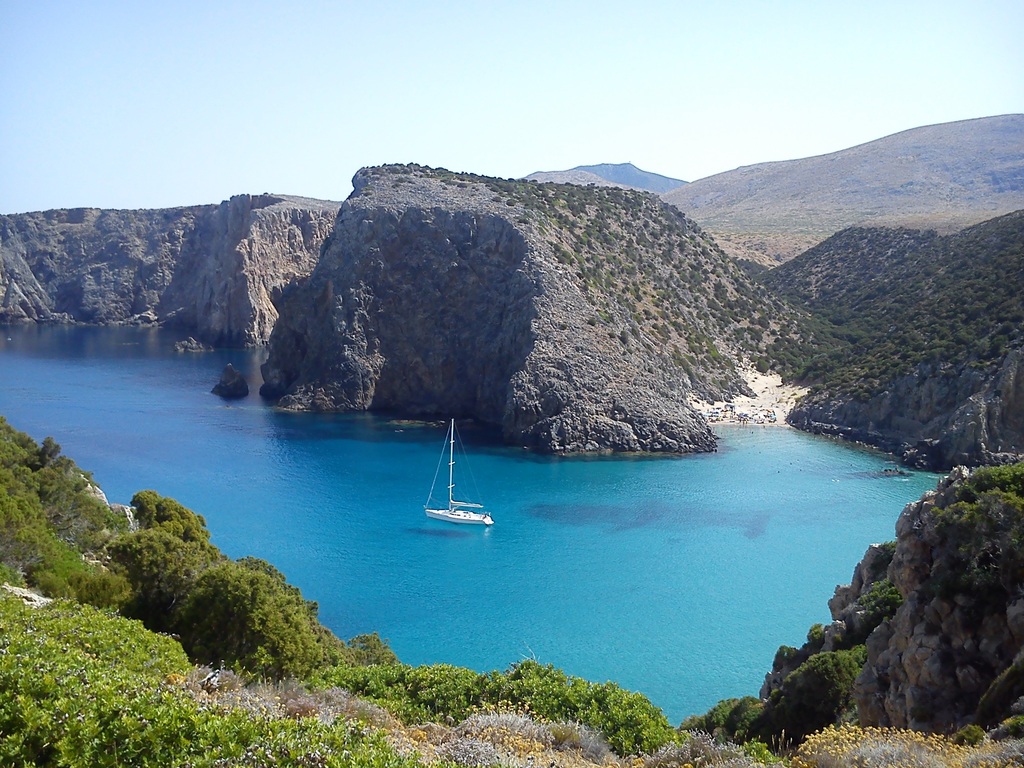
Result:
[[162, 569], [250, 620], [1014, 726], [970, 735], [1007, 688], [370, 649], [730, 719], [160, 512], [759, 752], [816, 635], [816, 694], [879, 604], [986, 528]]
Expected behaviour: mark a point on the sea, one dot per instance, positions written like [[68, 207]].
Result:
[[678, 577]]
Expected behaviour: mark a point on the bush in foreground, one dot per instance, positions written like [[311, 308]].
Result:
[[815, 695], [440, 693], [850, 745], [83, 689]]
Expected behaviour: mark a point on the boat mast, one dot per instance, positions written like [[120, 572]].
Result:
[[451, 465]]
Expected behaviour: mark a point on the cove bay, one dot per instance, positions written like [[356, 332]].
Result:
[[675, 577]]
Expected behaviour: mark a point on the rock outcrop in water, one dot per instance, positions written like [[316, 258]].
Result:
[[444, 294], [232, 384], [212, 271]]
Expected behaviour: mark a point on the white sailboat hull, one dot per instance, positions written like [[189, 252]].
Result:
[[460, 516], [456, 511]]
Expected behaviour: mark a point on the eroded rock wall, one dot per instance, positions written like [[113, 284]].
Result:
[[930, 665], [936, 418], [212, 271]]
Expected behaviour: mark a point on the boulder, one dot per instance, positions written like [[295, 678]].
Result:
[[191, 345]]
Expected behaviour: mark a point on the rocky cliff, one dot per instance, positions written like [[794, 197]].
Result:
[[943, 660], [577, 319], [927, 350], [934, 619], [212, 271], [939, 416]]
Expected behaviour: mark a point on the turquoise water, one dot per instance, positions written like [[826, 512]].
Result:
[[676, 577]]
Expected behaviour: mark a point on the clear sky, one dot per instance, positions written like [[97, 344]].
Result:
[[142, 104]]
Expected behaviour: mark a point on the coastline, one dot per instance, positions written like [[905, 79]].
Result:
[[771, 404]]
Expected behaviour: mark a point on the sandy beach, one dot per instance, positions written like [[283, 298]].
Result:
[[771, 403]]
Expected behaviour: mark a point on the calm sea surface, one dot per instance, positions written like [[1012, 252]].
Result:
[[676, 577]]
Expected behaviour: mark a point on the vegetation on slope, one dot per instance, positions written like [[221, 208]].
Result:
[[629, 722], [655, 281], [893, 299], [84, 688], [985, 529], [52, 523]]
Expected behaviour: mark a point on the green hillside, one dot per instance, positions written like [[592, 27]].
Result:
[[891, 299]]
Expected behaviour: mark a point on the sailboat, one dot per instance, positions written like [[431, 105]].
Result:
[[457, 511]]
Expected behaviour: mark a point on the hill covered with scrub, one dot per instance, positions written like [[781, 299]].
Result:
[[576, 319], [927, 352]]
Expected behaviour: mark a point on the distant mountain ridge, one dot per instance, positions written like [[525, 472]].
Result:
[[624, 175], [943, 177]]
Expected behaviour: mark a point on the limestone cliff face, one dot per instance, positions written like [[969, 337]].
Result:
[[444, 295], [936, 418], [212, 271]]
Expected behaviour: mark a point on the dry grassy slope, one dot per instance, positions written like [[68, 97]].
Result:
[[943, 176]]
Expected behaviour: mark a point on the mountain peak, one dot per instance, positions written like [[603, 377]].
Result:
[[624, 175]]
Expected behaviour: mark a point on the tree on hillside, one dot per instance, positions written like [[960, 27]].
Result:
[[162, 569], [243, 615]]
